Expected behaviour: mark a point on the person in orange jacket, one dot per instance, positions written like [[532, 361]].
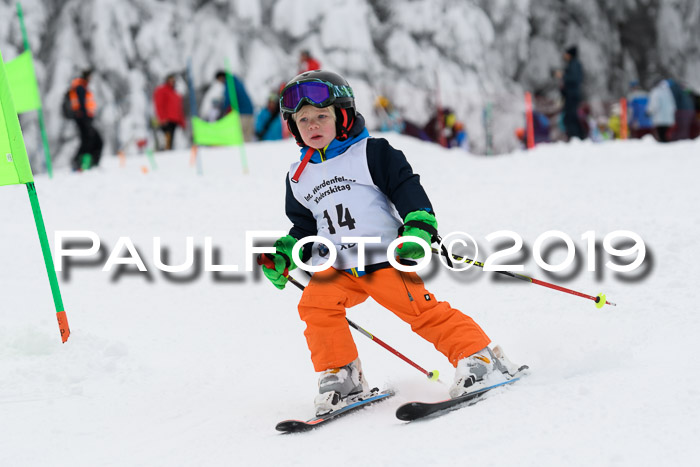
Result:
[[350, 185], [168, 107], [83, 105]]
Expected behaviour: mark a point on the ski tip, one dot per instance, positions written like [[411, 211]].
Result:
[[406, 412], [291, 426]]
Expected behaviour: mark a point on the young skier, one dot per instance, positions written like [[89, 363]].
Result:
[[350, 185]]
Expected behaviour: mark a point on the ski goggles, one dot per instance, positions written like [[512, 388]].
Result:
[[317, 93]]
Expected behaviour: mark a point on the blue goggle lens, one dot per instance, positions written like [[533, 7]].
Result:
[[311, 92]]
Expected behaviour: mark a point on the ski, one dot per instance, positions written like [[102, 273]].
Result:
[[416, 410], [296, 426]]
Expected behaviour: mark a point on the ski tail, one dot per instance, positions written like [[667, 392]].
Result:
[[296, 426]]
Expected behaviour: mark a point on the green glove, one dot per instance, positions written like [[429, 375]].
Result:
[[417, 224], [277, 275], [276, 266]]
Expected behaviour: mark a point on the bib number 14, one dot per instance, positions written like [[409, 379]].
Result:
[[344, 217]]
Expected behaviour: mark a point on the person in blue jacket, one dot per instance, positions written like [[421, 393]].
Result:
[[638, 117], [245, 106], [268, 123]]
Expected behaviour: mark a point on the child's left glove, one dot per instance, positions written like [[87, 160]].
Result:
[[421, 224], [276, 266]]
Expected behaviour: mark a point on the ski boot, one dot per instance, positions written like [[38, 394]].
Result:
[[339, 387], [483, 369]]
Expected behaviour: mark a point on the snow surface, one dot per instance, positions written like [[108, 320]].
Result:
[[164, 371]]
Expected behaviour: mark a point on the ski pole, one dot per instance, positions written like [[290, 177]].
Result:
[[599, 300], [432, 375]]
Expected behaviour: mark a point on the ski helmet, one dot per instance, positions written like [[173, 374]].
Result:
[[320, 89]]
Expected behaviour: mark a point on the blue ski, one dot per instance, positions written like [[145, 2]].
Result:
[[295, 426]]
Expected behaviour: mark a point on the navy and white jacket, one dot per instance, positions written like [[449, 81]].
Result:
[[360, 187]]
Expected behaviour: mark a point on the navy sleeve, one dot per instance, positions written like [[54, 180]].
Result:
[[394, 176], [304, 224]]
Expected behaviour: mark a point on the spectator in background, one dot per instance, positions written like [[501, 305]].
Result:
[[541, 125], [389, 118], [460, 139], [610, 128], [84, 107], [662, 109], [245, 107], [168, 107], [638, 119], [307, 62], [685, 110], [213, 100], [268, 124], [571, 82], [695, 127], [415, 130], [541, 128], [440, 127], [443, 128]]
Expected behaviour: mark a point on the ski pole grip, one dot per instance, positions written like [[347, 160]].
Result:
[[266, 260]]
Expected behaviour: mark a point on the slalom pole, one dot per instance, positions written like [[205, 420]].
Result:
[[487, 120], [432, 375], [151, 158], [623, 118], [529, 120], [16, 170], [233, 99], [48, 261], [195, 157], [600, 300]]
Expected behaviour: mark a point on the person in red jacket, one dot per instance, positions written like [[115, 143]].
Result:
[[307, 62], [168, 107]]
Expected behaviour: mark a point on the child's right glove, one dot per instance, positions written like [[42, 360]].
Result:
[[277, 265], [421, 224]]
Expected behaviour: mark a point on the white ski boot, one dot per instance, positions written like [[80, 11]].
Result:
[[482, 369], [504, 365], [339, 387]]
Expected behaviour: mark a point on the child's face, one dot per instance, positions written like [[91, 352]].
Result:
[[316, 126]]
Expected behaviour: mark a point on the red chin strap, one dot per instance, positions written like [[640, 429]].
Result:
[[342, 129], [302, 166], [344, 126]]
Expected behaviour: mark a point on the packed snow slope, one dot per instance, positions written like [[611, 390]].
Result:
[[197, 367]]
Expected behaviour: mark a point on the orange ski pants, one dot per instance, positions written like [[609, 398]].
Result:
[[324, 301]]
